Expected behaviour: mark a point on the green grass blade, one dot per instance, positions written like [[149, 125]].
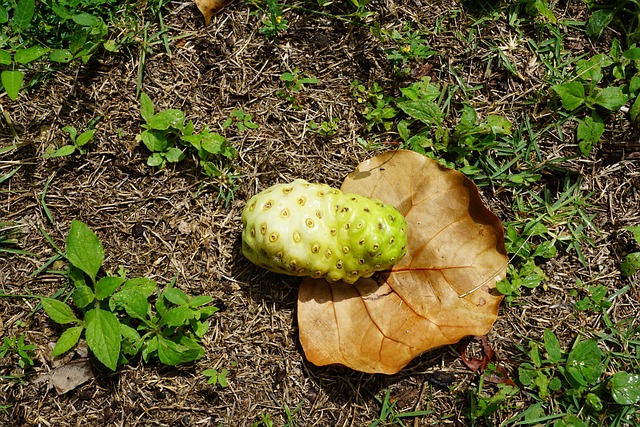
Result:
[[8, 175], [43, 202]]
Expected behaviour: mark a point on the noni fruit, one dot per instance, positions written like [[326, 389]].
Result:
[[305, 229]]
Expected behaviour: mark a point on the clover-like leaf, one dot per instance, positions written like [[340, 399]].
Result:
[[625, 388], [441, 291]]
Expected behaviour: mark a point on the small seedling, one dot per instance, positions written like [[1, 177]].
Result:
[[16, 347], [483, 405], [408, 45], [265, 421], [528, 275], [118, 320], [291, 415], [631, 262], [294, 83], [167, 136], [390, 414], [273, 21], [216, 378], [11, 236], [595, 298], [378, 108], [9, 233], [523, 272], [242, 120], [162, 133], [325, 128], [78, 142], [361, 13]]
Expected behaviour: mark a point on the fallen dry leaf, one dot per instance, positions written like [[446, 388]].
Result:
[[67, 377], [208, 8], [499, 375], [440, 292], [474, 363]]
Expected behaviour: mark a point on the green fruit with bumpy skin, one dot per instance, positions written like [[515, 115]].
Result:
[[305, 229]]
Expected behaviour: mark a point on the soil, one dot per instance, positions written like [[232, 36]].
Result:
[[172, 222]]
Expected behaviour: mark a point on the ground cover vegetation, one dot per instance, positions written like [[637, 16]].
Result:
[[132, 135]]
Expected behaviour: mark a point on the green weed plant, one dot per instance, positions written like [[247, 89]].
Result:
[[390, 415], [575, 383], [35, 35], [294, 83], [117, 317], [378, 109], [170, 138], [217, 377], [481, 405], [78, 142], [18, 348], [273, 22], [594, 298], [631, 262], [408, 46], [623, 15], [10, 233], [241, 120], [325, 128], [11, 237], [578, 387], [604, 82], [290, 416], [423, 119]]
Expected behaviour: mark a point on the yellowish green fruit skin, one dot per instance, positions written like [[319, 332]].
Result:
[[306, 229]]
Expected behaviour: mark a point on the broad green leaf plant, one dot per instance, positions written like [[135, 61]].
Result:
[[603, 82], [49, 32], [116, 315], [423, 127], [168, 137], [574, 380], [623, 15]]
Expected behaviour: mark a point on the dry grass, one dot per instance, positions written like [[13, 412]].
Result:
[[162, 223]]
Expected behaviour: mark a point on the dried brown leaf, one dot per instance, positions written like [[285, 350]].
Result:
[[68, 377], [208, 8], [498, 375], [440, 292]]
